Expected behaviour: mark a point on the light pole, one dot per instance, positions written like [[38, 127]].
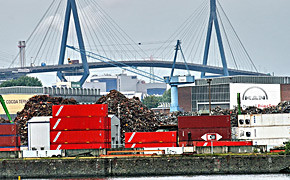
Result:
[[209, 95]]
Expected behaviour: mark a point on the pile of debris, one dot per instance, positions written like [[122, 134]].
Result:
[[2, 120], [282, 107], [171, 119], [134, 116], [40, 105], [233, 113]]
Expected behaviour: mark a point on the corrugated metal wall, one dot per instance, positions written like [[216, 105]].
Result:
[[285, 92], [220, 96], [246, 79]]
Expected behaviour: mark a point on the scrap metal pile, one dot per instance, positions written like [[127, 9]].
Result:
[[282, 107], [233, 113], [40, 105], [134, 116], [171, 119], [2, 120]]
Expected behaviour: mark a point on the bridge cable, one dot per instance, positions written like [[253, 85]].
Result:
[[37, 26], [227, 39], [115, 63], [238, 37], [182, 26], [120, 30], [47, 32]]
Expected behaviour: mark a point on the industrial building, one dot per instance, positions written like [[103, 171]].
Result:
[[16, 97], [126, 84], [259, 91]]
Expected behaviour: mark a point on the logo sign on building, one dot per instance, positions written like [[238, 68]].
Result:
[[259, 95], [211, 137], [75, 85], [15, 102]]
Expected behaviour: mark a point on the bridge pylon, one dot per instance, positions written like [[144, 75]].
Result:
[[72, 9], [213, 20]]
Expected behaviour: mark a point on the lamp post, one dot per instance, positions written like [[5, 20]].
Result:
[[209, 95]]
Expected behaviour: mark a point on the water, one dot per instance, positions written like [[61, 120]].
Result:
[[197, 177]]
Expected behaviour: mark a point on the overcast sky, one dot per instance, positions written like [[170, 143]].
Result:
[[262, 25]]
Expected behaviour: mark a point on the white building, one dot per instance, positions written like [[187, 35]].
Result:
[[126, 84]]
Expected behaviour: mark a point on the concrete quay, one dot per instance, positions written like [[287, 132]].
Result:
[[143, 166]]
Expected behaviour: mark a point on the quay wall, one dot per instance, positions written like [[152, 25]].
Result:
[[149, 166]]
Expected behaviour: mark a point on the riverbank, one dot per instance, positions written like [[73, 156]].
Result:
[[143, 166]]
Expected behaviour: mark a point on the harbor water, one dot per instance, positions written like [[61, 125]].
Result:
[[197, 177]]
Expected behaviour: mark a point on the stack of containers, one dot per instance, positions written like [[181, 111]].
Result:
[[150, 139], [9, 138], [80, 127], [264, 129], [192, 128]]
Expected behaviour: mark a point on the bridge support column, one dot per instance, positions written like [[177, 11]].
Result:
[[214, 20], [72, 8]]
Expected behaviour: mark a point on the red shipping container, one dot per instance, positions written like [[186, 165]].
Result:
[[80, 137], [204, 122], [8, 129], [80, 123], [80, 146], [84, 110], [9, 148], [7, 141], [196, 134], [151, 137], [215, 143], [149, 145]]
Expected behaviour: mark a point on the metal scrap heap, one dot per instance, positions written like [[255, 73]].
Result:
[[2, 120], [40, 105], [134, 116]]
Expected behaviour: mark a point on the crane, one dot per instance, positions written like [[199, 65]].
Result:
[[172, 80], [5, 108]]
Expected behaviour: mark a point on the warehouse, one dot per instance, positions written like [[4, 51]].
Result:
[[260, 91], [16, 97]]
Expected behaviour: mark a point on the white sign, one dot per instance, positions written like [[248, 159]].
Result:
[[211, 137], [259, 95]]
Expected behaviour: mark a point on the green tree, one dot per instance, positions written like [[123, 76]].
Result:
[[151, 101], [287, 148], [166, 97], [22, 81]]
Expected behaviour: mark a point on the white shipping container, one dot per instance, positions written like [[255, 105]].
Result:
[[39, 133], [115, 132], [41, 153], [256, 120], [235, 133], [270, 142], [167, 150], [273, 132]]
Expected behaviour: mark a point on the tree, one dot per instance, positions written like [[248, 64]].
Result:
[[151, 101], [166, 97], [287, 148], [22, 81]]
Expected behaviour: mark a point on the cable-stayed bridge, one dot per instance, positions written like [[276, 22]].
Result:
[[210, 43]]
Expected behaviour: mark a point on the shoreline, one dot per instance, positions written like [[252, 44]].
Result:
[[144, 166]]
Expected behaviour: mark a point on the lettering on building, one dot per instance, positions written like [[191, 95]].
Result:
[[254, 94]]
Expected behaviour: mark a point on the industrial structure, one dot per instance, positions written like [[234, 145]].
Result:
[[16, 97], [259, 91], [125, 84]]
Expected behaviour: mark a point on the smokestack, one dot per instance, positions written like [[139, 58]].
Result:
[[22, 45]]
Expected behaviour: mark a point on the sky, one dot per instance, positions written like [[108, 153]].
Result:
[[262, 25]]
